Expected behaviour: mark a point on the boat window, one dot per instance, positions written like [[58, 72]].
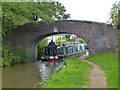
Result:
[[71, 49], [76, 48], [60, 50], [80, 47], [64, 50], [67, 50]]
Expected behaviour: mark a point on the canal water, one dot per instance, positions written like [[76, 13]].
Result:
[[25, 75]]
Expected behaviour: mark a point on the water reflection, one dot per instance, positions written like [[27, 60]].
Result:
[[27, 74]]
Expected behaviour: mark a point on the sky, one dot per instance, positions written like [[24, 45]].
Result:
[[89, 10]]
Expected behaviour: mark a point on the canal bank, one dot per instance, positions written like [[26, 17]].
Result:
[[77, 73], [74, 75]]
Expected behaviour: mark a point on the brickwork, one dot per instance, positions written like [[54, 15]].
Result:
[[100, 37]]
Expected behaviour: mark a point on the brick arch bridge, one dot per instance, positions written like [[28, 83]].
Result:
[[100, 37]]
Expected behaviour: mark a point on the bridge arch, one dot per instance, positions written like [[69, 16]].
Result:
[[101, 38]]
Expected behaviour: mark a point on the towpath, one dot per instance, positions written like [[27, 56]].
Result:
[[97, 76]]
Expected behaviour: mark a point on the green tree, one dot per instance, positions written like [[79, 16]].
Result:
[[58, 41], [67, 37], [41, 49], [14, 55], [113, 20], [15, 14]]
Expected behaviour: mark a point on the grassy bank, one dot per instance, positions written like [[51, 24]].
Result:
[[109, 64], [74, 75], [14, 55]]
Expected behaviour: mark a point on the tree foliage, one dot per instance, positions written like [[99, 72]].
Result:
[[113, 20], [18, 13], [41, 49], [67, 37], [14, 55]]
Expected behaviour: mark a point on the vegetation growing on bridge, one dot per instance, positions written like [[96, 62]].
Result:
[[109, 64]]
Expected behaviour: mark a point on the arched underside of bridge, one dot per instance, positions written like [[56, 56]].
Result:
[[100, 37]]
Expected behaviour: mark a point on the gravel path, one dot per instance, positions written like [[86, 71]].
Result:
[[97, 76]]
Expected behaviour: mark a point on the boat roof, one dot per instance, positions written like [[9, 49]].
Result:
[[71, 44]]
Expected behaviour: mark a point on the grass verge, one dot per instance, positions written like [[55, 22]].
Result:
[[109, 64], [74, 75]]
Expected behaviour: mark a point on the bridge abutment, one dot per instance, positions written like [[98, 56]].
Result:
[[100, 37]]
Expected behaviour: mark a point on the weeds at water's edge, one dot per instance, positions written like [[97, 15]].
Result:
[[44, 82], [76, 73]]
